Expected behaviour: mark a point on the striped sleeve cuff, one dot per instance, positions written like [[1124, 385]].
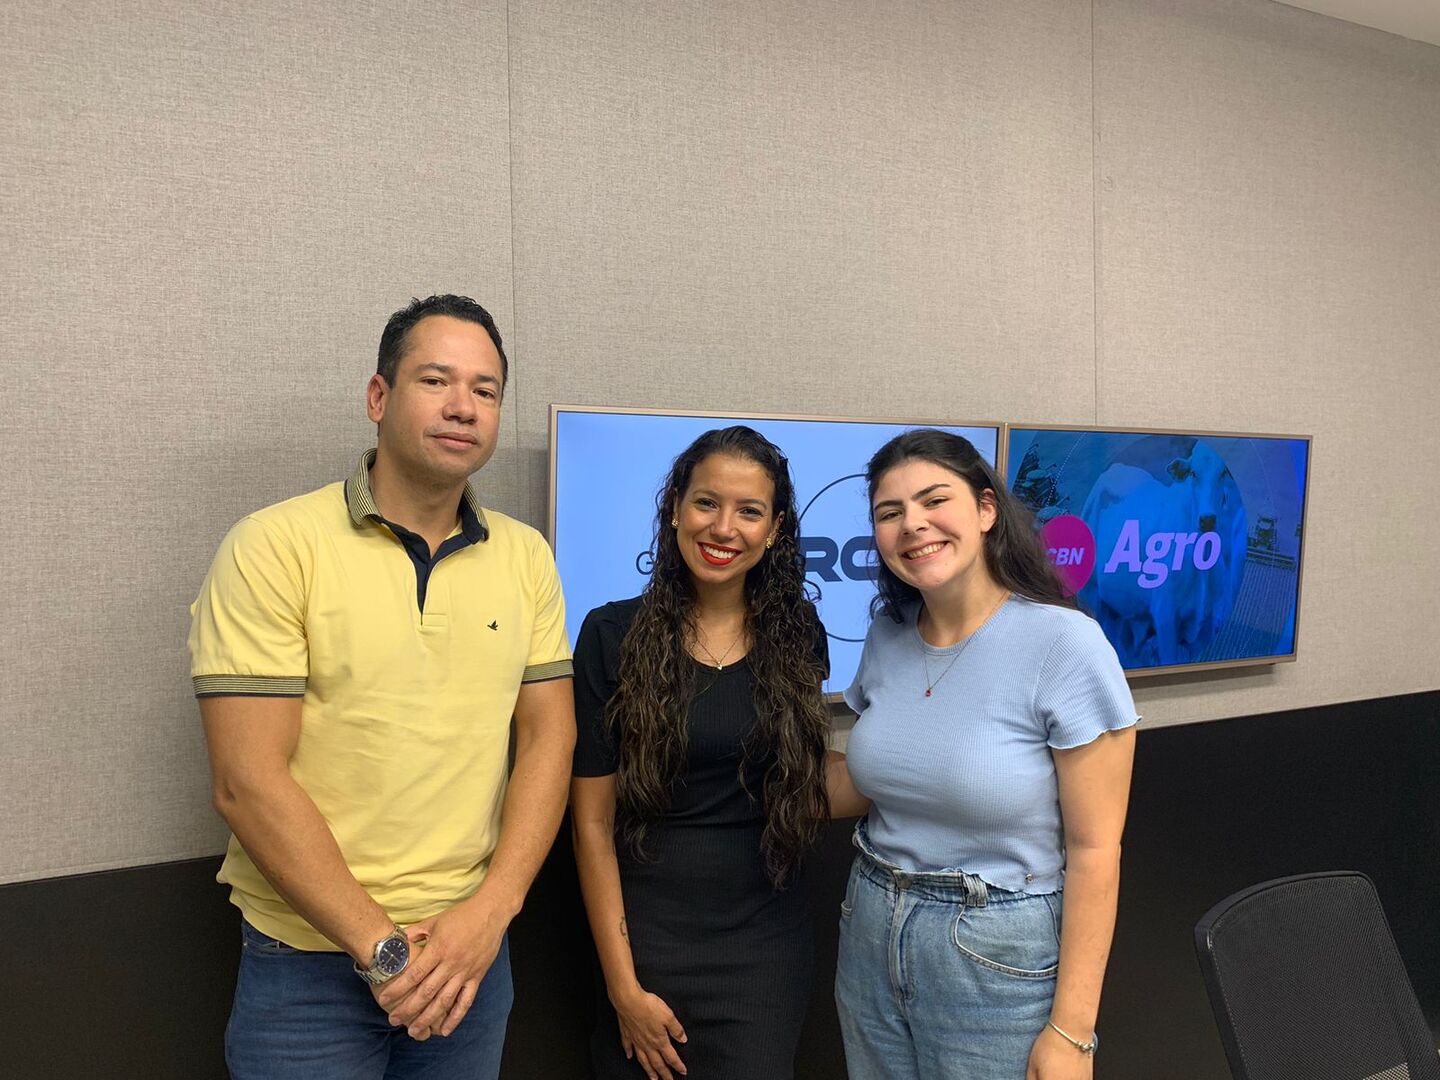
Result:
[[249, 685], [556, 669]]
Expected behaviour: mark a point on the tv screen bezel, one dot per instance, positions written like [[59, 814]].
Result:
[[1209, 665], [832, 697]]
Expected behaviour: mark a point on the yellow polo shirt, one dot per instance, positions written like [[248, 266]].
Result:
[[405, 712]]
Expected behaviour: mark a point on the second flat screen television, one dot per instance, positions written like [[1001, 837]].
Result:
[[607, 465], [1185, 546]]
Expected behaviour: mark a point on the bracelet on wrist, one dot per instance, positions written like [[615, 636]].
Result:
[[1087, 1048]]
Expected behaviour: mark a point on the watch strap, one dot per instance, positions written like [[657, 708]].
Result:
[[372, 973]]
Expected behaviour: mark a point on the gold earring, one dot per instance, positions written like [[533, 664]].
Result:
[[769, 542], [674, 523]]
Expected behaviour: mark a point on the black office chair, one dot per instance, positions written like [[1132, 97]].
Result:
[[1306, 984]]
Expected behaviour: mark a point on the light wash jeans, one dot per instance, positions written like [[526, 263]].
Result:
[[307, 1016], [941, 976]]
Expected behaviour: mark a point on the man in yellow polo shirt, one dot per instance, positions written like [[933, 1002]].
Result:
[[358, 653]]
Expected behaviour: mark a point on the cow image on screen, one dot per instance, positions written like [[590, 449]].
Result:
[[1176, 549]]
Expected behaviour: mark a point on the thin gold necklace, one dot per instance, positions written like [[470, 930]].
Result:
[[930, 684], [720, 663]]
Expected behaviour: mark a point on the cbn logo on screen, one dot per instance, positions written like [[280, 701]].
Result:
[[1070, 545], [1071, 548]]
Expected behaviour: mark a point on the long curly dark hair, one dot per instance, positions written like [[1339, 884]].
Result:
[[1012, 549], [657, 676]]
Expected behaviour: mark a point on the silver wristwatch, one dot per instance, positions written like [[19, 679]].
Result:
[[391, 955]]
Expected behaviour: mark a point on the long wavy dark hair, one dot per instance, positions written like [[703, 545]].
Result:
[[1012, 550], [657, 678]]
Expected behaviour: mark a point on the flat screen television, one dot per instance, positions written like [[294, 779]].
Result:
[[606, 466], [1185, 546]]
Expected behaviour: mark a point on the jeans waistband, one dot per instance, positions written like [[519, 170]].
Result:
[[953, 886]]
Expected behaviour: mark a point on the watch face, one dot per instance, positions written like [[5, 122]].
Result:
[[392, 955]]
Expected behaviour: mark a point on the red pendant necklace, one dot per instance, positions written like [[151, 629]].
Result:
[[930, 683]]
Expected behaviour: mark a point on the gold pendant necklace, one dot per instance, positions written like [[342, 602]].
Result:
[[720, 663], [930, 684]]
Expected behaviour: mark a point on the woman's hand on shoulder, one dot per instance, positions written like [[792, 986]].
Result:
[[1052, 1058], [649, 1032]]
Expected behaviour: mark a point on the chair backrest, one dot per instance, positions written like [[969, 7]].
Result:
[[1306, 984]]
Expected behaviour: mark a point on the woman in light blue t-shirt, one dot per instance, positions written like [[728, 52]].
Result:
[[993, 753]]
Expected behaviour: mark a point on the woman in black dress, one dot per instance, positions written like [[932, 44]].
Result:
[[699, 778]]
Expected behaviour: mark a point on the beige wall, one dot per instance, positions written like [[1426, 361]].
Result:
[[1164, 212]]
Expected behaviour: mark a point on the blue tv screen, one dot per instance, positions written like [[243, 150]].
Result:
[[1185, 547], [607, 465]]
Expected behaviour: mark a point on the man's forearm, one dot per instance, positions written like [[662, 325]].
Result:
[[530, 818], [285, 835], [461, 942]]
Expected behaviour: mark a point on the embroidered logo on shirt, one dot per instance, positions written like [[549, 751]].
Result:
[[495, 625]]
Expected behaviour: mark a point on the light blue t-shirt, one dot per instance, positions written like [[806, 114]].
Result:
[[963, 779]]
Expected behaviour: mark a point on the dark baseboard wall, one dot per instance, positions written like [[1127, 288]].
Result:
[[1217, 807], [128, 974]]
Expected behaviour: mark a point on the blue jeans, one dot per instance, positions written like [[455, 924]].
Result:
[[302, 1015], [940, 975]]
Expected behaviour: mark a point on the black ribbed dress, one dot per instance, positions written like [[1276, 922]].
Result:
[[732, 957]]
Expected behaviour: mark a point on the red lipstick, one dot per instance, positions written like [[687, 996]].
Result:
[[711, 559]]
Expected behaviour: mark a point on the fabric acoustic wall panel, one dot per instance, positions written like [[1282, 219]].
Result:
[[208, 212], [1268, 259], [1183, 213], [878, 209]]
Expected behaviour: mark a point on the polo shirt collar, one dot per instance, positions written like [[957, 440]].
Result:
[[362, 503]]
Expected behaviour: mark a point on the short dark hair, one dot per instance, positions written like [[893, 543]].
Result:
[[392, 341]]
